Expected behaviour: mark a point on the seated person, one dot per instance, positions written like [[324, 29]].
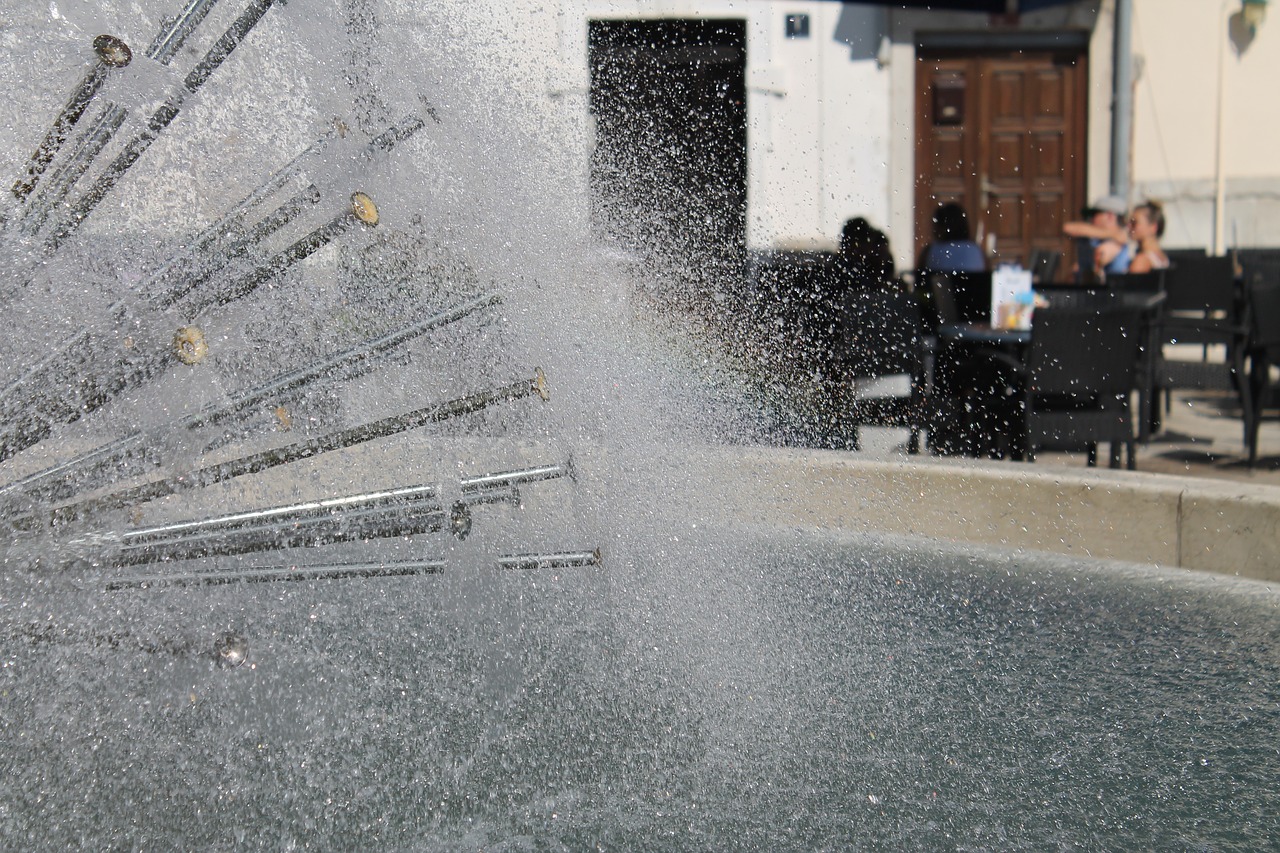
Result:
[[952, 249], [865, 260], [1104, 240], [1146, 226]]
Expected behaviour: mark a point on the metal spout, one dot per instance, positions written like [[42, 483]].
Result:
[[266, 459], [565, 560], [112, 53], [129, 455], [189, 345], [345, 571], [278, 574], [231, 650]]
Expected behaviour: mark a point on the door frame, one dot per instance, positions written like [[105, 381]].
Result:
[[970, 50]]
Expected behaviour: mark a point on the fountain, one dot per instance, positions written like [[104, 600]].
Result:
[[302, 550]]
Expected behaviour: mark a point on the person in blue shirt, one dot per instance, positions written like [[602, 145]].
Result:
[[952, 249], [1103, 240]]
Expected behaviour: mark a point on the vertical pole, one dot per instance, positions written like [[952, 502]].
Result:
[[1122, 100], [1219, 172]]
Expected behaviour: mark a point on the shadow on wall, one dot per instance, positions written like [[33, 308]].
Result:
[[861, 28]]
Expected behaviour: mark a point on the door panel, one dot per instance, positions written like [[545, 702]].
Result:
[[1003, 134]]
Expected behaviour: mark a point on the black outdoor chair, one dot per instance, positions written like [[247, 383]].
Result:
[[1262, 287], [960, 297], [1151, 368], [1043, 264], [1255, 257], [1079, 374], [881, 338], [1204, 307], [1138, 282], [972, 385], [1177, 256]]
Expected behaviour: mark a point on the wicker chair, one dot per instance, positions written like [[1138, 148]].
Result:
[[881, 337], [1081, 369]]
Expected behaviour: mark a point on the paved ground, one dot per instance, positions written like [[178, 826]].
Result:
[[1202, 436]]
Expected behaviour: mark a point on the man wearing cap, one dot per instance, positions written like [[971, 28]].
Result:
[[1102, 237]]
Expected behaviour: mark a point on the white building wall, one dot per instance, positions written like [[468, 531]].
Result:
[[817, 108], [818, 113], [1180, 47]]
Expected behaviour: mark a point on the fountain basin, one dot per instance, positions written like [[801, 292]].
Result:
[[1223, 527], [732, 688]]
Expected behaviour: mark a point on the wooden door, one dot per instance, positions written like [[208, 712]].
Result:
[[1002, 134]]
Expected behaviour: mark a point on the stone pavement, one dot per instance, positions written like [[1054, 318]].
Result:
[[1202, 436]]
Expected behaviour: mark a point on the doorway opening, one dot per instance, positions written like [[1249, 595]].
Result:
[[669, 168]]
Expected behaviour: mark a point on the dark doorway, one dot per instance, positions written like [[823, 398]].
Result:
[[669, 171], [1002, 133]]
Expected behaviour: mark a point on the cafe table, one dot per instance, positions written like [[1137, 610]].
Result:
[[1015, 343]]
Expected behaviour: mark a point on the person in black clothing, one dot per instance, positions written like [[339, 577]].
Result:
[[865, 261]]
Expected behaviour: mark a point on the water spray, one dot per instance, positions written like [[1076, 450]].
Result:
[[298, 451], [132, 454]]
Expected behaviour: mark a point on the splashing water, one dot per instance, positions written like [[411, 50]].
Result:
[[614, 659]]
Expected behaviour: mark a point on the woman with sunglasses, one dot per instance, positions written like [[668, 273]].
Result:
[[1146, 227]]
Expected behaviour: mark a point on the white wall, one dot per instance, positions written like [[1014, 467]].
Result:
[[819, 124], [1178, 45], [817, 109]]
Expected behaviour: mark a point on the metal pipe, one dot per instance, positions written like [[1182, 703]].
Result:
[[397, 512], [33, 427], [346, 571], [1220, 134], [268, 225], [230, 225], [268, 574], [515, 478], [174, 34], [345, 365], [89, 145], [1122, 100], [347, 527], [288, 513], [128, 456], [257, 462], [566, 560], [162, 49], [112, 53], [160, 119], [69, 392], [361, 212]]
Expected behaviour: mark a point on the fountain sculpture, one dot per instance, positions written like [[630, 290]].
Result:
[[293, 559]]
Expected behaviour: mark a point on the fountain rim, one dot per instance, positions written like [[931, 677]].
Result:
[[1220, 527]]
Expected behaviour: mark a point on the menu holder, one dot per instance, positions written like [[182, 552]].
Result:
[[1011, 298]]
